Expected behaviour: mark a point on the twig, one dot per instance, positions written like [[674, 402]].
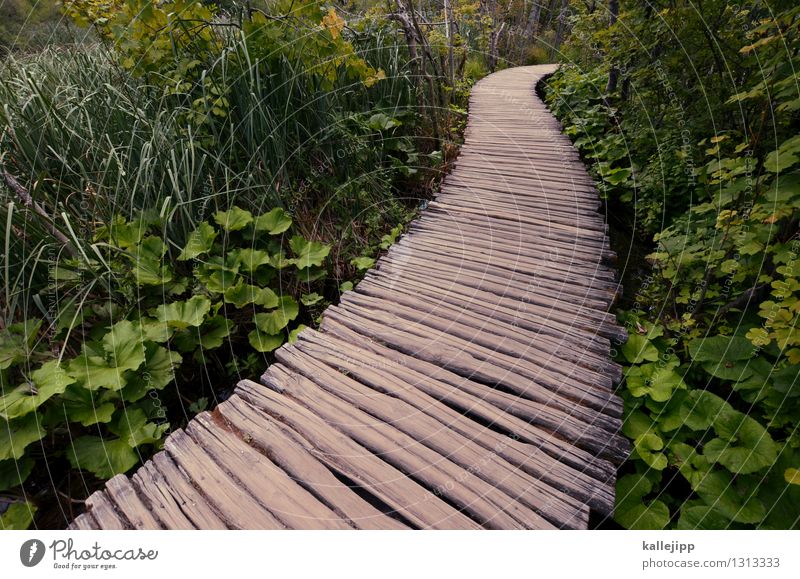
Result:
[[28, 201], [69, 498]]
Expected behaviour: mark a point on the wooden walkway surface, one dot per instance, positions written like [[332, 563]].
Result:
[[466, 383]]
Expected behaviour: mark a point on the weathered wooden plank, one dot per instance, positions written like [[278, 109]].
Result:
[[545, 420], [539, 274], [473, 362], [585, 382], [267, 483], [304, 468], [463, 325], [550, 324], [105, 513], [559, 353], [445, 465], [416, 503], [194, 505], [504, 286], [84, 522], [159, 494], [528, 302], [123, 494], [239, 508], [424, 393]]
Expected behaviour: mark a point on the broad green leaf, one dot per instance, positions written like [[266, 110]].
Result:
[[17, 434], [648, 447], [701, 409], [734, 371], [644, 516], [233, 220], [184, 314], [382, 122], [692, 465], [786, 381], [132, 427], [200, 241], [214, 331], [718, 491], [94, 371], [636, 424], [654, 380], [252, 259], [279, 260], [273, 222], [220, 281], [639, 349], [308, 253], [159, 367], [154, 330], [668, 415], [14, 472], [50, 379], [310, 299], [780, 160], [262, 342], [12, 350], [721, 348], [631, 488], [124, 347], [123, 234], [790, 475], [27, 330], [148, 266], [103, 458], [617, 176], [346, 287], [295, 333], [273, 322], [702, 517], [18, 517], [198, 405], [311, 274], [363, 263], [743, 446], [244, 294], [85, 407]]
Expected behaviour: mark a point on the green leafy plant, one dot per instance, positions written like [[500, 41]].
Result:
[[148, 323]]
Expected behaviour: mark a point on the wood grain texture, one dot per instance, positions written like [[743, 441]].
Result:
[[465, 383]]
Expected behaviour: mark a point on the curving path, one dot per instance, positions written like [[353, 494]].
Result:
[[465, 383]]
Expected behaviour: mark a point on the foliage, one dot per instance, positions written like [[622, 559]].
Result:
[[711, 170], [89, 388]]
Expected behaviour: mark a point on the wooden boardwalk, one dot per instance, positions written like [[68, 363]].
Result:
[[466, 383]]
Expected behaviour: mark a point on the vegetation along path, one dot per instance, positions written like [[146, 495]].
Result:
[[466, 382]]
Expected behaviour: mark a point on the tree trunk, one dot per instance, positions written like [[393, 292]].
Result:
[[451, 61], [493, 46], [562, 16], [532, 27], [613, 74]]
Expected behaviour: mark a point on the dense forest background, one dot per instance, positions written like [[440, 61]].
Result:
[[188, 185]]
